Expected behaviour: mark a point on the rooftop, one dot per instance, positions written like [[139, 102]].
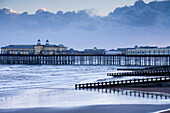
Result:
[[25, 46], [19, 46], [50, 45], [149, 47]]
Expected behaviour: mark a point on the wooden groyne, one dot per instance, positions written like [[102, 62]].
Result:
[[145, 68], [121, 83], [130, 69], [142, 73], [87, 59]]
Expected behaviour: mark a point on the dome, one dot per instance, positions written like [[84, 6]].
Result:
[[38, 42], [47, 42], [61, 45]]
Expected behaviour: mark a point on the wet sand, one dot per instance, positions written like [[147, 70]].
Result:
[[166, 111], [154, 89], [94, 109]]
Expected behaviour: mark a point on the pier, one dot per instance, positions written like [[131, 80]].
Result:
[[87, 59]]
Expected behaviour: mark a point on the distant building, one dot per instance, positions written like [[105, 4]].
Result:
[[46, 49], [113, 52], [147, 50], [72, 51], [123, 50], [95, 51]]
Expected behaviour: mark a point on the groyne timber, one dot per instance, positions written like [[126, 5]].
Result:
[[141, 73], [87, 59], [125, 83]]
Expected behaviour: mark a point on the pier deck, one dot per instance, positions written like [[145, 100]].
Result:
[[87, 59]]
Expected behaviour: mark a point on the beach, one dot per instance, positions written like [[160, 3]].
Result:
[[94, 109], [50, 89]]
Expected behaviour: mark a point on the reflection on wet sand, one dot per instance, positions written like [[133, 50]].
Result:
[[134, 93]]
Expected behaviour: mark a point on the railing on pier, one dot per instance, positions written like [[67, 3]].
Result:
[[141, 73], [121, 83], [84, 59]]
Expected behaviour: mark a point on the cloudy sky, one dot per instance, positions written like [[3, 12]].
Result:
[[76, 24], [98, 7]]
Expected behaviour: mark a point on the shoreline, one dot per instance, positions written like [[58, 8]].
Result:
[[126, 108]]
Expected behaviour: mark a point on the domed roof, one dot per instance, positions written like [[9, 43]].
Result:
[[47, 42], [61, 45], [38, 42]]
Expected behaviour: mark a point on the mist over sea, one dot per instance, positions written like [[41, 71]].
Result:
[[27, 86]]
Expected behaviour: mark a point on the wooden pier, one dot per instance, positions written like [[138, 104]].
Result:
[[141, 73], [122, 83], [87, 59]]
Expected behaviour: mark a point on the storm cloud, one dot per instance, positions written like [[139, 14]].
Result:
[[140, 24]]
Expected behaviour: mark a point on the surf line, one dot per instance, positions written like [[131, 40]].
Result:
[[162, 111]]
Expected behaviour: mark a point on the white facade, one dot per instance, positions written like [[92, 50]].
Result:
[[148, 51], [113, 53]]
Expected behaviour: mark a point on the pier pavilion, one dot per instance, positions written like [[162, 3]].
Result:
[[46, 49]]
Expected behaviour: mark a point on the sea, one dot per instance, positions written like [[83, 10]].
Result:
[[29, 86]]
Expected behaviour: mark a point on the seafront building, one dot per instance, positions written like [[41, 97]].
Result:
[[146, 50], [142, 50], [46, 49], [113, 52], [49, 49], [95, 50]]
